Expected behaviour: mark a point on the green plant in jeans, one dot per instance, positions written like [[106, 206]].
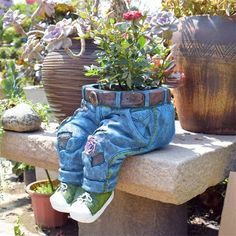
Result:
[[133, 55]]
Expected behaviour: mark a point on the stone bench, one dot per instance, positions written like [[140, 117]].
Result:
[[153, 188]]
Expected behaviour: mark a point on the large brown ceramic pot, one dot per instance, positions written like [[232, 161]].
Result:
[[63, 78], [206, 52]]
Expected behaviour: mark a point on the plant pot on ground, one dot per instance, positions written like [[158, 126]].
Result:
[[44, 214]]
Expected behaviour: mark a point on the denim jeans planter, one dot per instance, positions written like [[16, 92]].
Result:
[[111, 125]]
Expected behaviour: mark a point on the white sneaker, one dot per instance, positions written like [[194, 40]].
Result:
[[63, 197], [89, 206]]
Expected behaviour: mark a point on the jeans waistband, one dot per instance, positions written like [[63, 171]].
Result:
[[126, 99]]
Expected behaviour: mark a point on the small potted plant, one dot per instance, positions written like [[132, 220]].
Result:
[[128, 112], [44, 214], [205, 50]]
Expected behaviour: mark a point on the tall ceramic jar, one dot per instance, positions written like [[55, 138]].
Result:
[[63, 78], [205, 50]]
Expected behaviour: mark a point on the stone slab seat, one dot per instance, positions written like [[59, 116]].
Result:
[[159, 180]]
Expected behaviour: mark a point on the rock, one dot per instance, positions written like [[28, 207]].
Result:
[[21, 118]]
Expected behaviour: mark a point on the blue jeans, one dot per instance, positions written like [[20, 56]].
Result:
[[94, 142]]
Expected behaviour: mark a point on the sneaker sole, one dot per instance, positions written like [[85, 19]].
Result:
[[60, 208], [96, 216]]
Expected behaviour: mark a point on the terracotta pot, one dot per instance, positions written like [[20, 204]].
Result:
[[64, 77], [206, 52], [45, 215]]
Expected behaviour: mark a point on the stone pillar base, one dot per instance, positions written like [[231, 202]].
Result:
[[132, 215]]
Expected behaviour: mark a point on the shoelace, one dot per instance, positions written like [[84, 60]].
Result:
[[85, 197], [62, 187]]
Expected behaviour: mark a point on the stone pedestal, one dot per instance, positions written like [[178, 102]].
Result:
[[135, 216]]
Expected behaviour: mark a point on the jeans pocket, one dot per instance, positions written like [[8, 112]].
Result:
[[140, 121]]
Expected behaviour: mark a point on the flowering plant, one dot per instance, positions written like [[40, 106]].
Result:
[[134, 54]]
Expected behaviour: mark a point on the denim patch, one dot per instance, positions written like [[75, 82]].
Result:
[[98, 159], [62, 139]]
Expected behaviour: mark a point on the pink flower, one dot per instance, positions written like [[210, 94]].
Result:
[[90, 146], [132, 15]]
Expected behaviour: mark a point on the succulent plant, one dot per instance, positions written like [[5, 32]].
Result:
[[161, 22], [57, 36], [33, 49], [12, 18], [4, 4]]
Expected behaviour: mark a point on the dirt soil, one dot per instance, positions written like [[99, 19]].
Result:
[[203, 211]]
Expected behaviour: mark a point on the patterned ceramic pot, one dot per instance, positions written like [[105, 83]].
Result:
[[206, 52], [63, 78]]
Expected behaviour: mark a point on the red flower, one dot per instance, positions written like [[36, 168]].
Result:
[[30, 1], [132, 15]]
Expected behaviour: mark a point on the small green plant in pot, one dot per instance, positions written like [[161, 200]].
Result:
[[127, 112], [44, 214], [205, 51]]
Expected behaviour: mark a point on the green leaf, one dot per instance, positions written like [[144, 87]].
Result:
[[125, 44], [83, 15], [141, 41], [112, 21], [129, 81]]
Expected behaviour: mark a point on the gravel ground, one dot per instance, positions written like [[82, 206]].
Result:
[[203, 220]]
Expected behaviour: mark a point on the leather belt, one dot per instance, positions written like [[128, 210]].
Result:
[[126, 99]]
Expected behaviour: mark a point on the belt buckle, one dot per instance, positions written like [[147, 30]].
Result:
[[93, 98]]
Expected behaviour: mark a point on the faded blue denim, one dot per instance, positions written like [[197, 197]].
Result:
[[94, 142]]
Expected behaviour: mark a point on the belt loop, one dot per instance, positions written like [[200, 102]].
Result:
[[147, 99], [118, 99], [166, 95]]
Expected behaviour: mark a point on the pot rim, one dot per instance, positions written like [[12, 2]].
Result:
[[30, 191], [96, 87]]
